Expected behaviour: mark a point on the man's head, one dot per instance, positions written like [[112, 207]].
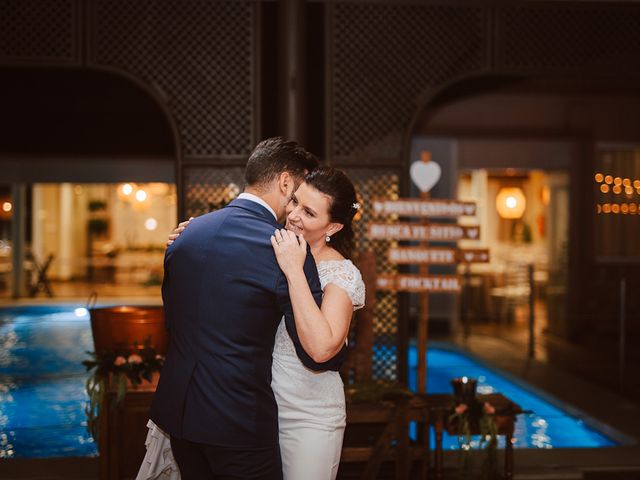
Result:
[[275, 169]]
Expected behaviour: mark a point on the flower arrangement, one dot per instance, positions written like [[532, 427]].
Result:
[[481, 418], [135, 365]]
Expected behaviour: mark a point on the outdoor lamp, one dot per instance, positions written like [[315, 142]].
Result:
[[511, 202]]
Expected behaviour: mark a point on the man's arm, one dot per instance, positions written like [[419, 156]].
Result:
[[284, 302], [165, 284]]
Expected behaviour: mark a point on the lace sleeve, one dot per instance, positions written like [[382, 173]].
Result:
[[345, 275]]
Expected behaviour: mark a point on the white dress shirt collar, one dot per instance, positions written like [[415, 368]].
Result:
[[255, 198]]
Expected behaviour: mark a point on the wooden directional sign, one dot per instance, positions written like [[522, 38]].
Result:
[[419, 283], [410, 231], [423, 208], [478, 255], [433, 256], [436, 256]]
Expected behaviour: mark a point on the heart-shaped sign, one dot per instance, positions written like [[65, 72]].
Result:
[[468, 256], [425, 175], [472, 232]]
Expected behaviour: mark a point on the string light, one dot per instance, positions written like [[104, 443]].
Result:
[[604, 188], [608, 179], [599, 177]]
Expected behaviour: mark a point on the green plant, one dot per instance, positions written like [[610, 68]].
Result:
[[136, 364], [463, 419]]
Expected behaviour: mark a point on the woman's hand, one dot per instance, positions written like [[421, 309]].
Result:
[[178, 230], [291, 250]]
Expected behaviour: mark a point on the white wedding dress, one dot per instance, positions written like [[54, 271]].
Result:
[[311, 405]]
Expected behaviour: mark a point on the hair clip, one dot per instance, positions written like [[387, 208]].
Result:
[[356, 206]]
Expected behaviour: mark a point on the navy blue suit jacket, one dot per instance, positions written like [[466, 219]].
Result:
[[224, 295]]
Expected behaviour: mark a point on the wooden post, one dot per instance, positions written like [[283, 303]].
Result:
[[364, 325], [423, 321]]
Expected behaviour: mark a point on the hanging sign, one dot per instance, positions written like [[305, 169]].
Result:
[[406, 207], [411, 231], [436, 256], [419, 283]]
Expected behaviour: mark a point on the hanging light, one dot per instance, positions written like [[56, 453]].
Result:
[[141, 195], [511, 202]]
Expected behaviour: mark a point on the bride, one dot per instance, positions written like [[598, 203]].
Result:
[[311, 405]]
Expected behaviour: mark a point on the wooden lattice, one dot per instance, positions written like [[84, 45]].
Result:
[[33, 30], [198, 54], [379, 183], [565, 36], [209, 188], [382, 57]]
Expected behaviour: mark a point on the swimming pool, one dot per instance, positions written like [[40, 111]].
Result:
[[42, 394], [550, 425]]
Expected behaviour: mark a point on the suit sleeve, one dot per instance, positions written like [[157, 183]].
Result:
[[165, 286], [284, 301]]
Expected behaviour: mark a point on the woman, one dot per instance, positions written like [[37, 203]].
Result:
[[311, 405]]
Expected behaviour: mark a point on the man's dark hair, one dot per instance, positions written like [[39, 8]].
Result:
[[273, 156]]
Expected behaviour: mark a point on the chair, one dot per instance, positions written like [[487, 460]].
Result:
[[514, 290], [42, 282]]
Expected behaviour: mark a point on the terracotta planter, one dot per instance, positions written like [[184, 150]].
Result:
[[117, 328]]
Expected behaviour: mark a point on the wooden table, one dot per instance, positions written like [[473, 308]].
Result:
[[392, 444], [441, 406]]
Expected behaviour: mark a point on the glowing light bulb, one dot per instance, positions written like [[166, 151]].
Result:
[[141, 195], [7, 207], [151, 224]]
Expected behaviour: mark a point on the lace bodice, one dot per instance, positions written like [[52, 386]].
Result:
[[342, 273], [304, 396]]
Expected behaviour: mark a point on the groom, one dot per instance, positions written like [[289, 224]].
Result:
[[224, 296]]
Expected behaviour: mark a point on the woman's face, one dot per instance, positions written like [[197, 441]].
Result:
[[308, 214]]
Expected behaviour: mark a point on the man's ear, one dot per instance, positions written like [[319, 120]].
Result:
[[285, 181], [334, 228]]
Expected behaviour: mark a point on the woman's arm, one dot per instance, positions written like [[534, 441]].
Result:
[[322, 331]]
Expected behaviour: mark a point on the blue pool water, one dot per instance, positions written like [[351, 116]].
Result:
[[547, 426], [42, 395]]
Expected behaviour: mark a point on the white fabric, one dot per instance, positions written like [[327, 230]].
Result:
[[311, 405], [255, 198], [158, 462]]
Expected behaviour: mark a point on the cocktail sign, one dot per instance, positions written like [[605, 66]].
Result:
[[408, 207], [411, 231], [436, 256], [419, 283]]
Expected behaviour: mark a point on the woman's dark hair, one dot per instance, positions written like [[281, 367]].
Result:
[[339, 188]]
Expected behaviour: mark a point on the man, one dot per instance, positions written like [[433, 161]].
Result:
[[224, 296]]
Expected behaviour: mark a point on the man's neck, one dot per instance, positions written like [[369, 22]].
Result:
[[267, 197]]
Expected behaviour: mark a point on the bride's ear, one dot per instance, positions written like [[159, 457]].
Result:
[[334, 228]]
